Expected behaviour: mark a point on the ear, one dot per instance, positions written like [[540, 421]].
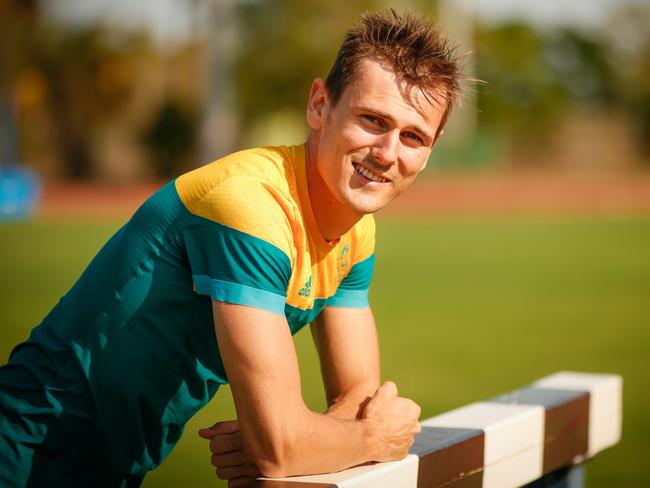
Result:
[[317, 104]]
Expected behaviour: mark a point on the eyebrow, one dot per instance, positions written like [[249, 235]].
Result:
[[365, 108]]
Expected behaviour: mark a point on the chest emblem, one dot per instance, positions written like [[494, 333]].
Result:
[[342, 263], [306, 290]]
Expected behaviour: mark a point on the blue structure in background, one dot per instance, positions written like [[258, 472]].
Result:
[[20, 189]]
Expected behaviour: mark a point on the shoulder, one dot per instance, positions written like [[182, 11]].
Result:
[[248, 191], [272, 166]]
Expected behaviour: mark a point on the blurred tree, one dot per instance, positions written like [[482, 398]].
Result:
[[536, 78], [88, 80], [81, 79], [170, 138], [521, 94], [15, 17], [579, 63], [286, 44], [628, 41], [77, 76]]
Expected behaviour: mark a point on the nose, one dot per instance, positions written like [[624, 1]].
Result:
[[386, 148]]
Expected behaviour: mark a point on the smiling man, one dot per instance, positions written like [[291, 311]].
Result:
[[211, 277], [374, 122]]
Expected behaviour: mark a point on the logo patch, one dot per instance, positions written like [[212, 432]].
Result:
[[342, 263], [306, 290]]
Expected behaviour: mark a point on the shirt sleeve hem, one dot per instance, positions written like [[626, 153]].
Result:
[[229, 292], [349, 299]]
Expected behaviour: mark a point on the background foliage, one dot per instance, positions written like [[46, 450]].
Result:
[[80, 97]]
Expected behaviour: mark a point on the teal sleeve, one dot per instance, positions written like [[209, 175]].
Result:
[[234, 267], [353, 290]]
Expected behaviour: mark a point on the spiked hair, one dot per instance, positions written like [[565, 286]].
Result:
[[417, 52]]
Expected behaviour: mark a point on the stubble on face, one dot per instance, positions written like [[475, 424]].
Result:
[[404, 119], [376, 139]]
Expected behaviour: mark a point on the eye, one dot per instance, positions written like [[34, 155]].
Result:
[[413, 136], [373, 120]]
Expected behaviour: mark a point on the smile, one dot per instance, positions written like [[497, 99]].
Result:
[[368, 174]]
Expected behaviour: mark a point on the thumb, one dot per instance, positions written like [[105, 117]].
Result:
[[220, 428], [383, 393]]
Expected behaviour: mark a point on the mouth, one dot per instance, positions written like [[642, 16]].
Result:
[[366, 173]]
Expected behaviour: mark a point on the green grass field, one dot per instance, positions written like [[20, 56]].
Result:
[[467, 309]]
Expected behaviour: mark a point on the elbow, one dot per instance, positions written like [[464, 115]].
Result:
[[273, 469], [275, 456]]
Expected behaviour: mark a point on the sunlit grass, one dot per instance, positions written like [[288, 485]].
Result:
[[466, 310]]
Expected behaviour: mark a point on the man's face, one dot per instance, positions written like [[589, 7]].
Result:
[[374, 142]]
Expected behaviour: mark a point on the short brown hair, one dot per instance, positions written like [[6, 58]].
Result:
[[418, 53]]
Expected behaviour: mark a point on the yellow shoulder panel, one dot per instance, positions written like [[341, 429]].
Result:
[[247, 191]]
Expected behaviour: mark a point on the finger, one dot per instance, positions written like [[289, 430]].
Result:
[[232, 458], [225, 443], [416, 412], [230, 472], [412, 408], [224, 427], [206, 433], [411, 443], [387, 390]]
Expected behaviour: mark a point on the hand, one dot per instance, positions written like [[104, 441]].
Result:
[[394, 420], [348, 408], [228, 455]]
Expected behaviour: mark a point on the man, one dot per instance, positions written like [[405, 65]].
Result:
[[214, 273]]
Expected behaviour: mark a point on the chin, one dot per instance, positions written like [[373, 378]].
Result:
[[365, 209], [366, 205]]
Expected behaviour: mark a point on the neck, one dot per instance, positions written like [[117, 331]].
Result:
[[332, 217]]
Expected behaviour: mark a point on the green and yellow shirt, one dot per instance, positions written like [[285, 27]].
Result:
[[130, 353]]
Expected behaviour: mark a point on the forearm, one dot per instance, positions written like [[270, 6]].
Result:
[[350, 404], [346, 340], [278, 433], [297, 441], [316, 443]]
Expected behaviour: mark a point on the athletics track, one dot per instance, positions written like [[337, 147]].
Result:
[[447, 195]]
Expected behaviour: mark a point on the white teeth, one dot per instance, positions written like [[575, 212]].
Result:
[[371, 176]]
